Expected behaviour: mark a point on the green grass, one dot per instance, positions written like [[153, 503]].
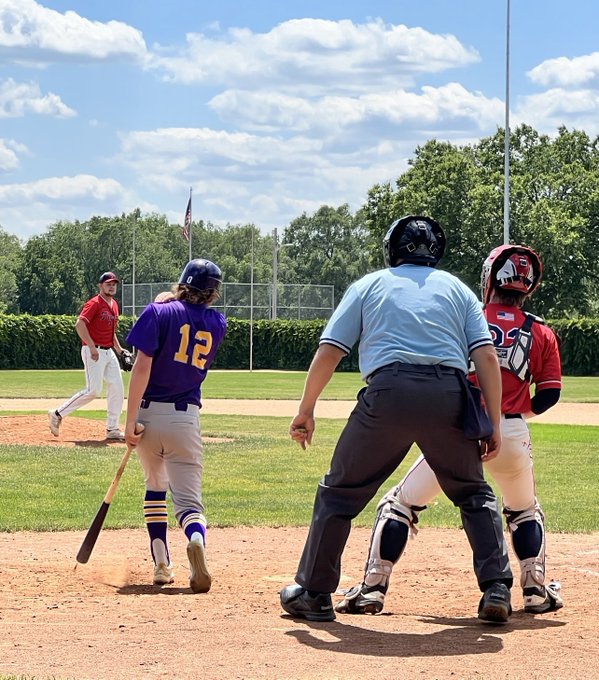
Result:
[[237, 385], [262, 479]]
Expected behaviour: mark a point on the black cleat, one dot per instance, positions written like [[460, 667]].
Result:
[[495, 605], [543, 599], [296, 601], [362, 599]]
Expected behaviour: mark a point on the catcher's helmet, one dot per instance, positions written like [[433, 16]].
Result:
[[201, 274], [508, 267], [415, 239]]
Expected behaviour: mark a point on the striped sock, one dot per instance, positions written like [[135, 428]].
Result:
[[193, 522], [156, 517]]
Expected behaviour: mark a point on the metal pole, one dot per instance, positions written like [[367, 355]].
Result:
[[506, 190], [133, 268], [275, 257], [190, 209], [252, 306]]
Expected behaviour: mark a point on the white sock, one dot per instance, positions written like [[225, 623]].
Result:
[[159, 550], [197, 537]]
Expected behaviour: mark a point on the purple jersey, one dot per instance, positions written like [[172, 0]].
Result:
[[182, 340]]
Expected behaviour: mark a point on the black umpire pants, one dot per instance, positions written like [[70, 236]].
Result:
[[403, 404]]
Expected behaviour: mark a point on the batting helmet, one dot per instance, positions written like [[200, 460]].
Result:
[[201, 274], [508, 267], [415, 239]]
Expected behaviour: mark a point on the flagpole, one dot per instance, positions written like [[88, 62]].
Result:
[[190, 230], [252, 305], [506, 151]]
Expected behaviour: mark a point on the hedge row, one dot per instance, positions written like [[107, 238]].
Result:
[[50, 342]]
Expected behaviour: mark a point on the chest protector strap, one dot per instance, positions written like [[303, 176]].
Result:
[[515, 358]]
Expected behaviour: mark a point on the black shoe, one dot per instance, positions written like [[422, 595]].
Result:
[[495, 605], [296, 601]]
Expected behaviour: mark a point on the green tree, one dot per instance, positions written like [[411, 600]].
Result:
[[10, 257]]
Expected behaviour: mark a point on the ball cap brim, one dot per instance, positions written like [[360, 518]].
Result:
[[108, 276]]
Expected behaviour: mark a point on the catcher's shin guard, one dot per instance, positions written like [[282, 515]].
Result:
[[527, 531]]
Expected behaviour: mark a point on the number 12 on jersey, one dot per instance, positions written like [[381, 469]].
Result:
[[201, 348]]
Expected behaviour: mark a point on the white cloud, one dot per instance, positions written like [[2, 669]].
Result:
[[307, 55], [565, 72], [276, 111], [79, 189], [9, 150], [32, 33], [547, 111], [18, 99]]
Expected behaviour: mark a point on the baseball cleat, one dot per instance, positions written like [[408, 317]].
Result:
[[545, 599], [362, 600], [163, 574], [298, 602], [54, 419], [199, 578], [495, 605], [115, 435]]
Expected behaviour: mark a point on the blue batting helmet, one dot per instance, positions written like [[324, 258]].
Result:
[[201, 274]]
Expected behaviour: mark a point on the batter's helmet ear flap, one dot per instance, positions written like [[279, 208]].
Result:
[[511, 267], [415, 239], [202, 275]]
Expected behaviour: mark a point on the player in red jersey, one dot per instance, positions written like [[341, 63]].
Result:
[[96, 326], [528, 354]]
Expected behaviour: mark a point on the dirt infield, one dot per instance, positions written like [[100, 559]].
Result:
[[104, 620]]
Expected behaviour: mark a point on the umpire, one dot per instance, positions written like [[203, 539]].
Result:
[[416, 327]]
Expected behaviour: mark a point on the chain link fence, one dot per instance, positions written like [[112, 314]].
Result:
[[246, 301]]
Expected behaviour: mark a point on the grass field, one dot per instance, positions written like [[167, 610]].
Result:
[[238, 385], [262, 479]]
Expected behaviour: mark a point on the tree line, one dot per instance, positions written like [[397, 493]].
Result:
[[554, 208]]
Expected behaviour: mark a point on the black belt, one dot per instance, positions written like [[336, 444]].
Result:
[[508, 416], [103, 347], [397, 366], [179, 405]]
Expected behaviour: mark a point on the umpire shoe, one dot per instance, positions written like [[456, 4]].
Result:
[[115, 435], [545, 599], [495, 605], [199, 577], [54, 419], [163, 574], [362, 599], [298, 602]]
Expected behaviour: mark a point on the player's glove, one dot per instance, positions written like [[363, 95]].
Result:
[[125, 360]]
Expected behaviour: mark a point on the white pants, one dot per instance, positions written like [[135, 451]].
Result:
[[512, 469], [106, 368]]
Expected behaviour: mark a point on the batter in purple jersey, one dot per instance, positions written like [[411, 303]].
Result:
[[176, 343]]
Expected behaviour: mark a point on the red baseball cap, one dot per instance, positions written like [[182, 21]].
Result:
[[108, 276]]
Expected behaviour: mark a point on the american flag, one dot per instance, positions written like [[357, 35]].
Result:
[[187, 222]]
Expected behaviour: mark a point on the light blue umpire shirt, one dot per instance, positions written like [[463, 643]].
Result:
[[412, 314]]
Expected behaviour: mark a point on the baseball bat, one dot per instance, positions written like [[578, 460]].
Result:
[[94, 530]]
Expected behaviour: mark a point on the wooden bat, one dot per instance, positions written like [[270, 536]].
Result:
[[94, 531]]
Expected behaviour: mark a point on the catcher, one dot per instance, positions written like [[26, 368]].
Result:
[[528, 353]]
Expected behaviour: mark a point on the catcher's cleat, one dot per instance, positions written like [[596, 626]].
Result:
[[298, 602], [199, 578], [544, 599], [362, 599], [163, 574], [495, 604], [54, 420], [115, 435]]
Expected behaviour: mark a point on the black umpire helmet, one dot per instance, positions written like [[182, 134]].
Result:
[[415, 239], [202, 275]]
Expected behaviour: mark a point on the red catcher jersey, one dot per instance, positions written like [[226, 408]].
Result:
[[101, 320], [544, 361]]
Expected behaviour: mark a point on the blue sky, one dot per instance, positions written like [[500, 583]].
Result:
[[266, 109]]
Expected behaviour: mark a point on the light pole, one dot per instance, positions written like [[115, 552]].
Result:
[[506, 151], [252, 304]]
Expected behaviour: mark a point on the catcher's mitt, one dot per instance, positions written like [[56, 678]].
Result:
[[125, 360]]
